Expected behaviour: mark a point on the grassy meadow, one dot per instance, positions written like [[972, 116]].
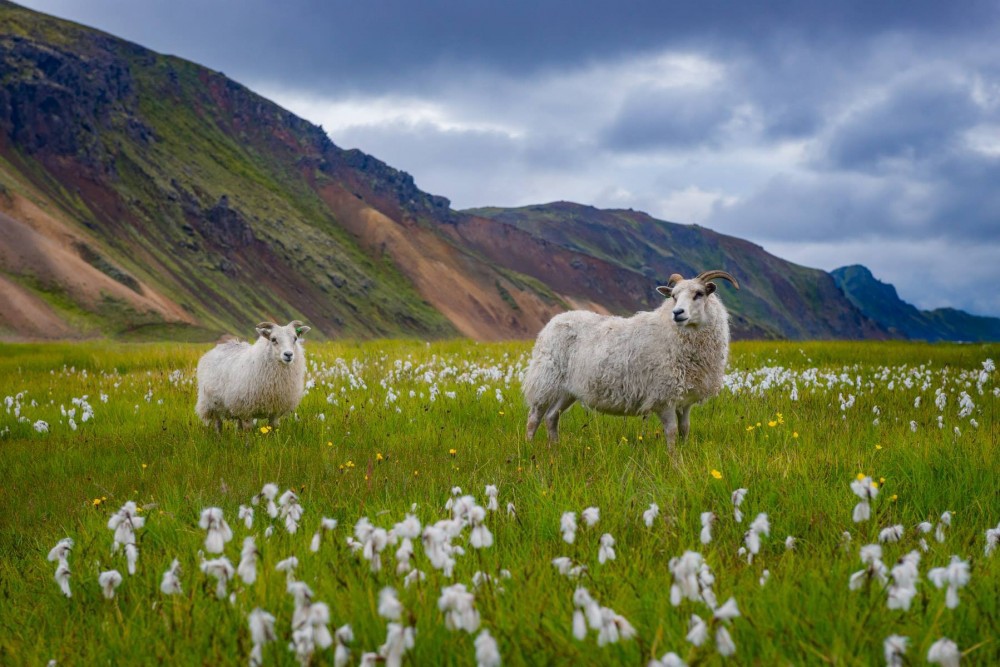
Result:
[[390, 427]]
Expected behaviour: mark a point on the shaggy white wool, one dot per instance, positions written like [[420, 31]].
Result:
[[648, 363], [237, 380]]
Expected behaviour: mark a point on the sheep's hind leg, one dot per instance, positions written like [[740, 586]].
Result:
[[552, 416], [534, 417], [684, 421], [669, 418]]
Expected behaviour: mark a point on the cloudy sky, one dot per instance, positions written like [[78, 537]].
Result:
[[830, 133]]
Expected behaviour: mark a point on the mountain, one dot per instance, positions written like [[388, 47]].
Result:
[[776, 299], [145, 196], [880, 303]]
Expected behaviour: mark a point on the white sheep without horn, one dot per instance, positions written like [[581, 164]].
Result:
[[661, 361], [237, 380]]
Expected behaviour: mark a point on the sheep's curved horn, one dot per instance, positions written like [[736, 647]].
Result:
[[675, 278], [712, 275]]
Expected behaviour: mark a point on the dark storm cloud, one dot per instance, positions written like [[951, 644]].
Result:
[[351, 45]]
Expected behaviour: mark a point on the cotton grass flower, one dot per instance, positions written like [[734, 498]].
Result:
[[457, 603], [567, 525], [247, 569], [246, 515], [693, 579], [894, 648], [606, 551], [60, 553], [288, 566], [290, 510], [737, 498], [669, 659], [109, 581], [954, 577], [268, 493], [944, 652], [261, 631], [125, 522], [389, 606], [218, 530], [480, 536], [904, 581], [491, 495], [790, 543], [398, 640], [590, 516], [341, 654], [325, 525], [697, 631], [939, 529], [171, 582], [891, 534], [309, 631], [222, 570], [487, 651], [865, 489], [764, 577], [649, 516], [724, 642], [760, 526], [871, 557], [707, 519]]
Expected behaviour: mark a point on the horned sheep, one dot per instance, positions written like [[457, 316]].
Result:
[[661, 361], [240, 381]]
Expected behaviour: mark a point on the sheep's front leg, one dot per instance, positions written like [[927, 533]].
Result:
[[274, 421], [684, 421], [669, 418]]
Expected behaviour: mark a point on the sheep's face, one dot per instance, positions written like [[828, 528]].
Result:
[[689, 300], [284, 343]]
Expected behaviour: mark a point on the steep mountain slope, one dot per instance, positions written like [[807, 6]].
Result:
[[777, 299], [880, 302], [212, 207]]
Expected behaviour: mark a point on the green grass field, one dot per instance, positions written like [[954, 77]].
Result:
[[391, 425]]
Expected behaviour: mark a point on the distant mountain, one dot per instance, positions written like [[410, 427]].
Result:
[[880, 302], [145, 196], [777, 299]]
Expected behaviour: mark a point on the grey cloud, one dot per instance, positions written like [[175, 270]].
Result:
[[922, 122], [667, 119]]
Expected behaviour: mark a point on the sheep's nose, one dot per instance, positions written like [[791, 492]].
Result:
[[287, 356], [678, 311]]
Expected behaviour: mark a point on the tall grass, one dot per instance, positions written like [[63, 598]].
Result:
[[369, 455]]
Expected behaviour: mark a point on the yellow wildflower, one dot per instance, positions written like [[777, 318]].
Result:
[[453, 451], [795, 434], [97, 501], [265, 430], [716, 474], [861, 476], [772, 423], [378, 456], [878, 446]]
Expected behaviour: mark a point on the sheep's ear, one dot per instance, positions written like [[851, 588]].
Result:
[[665, 291], [302, 330], [264, 329], [710, 287]]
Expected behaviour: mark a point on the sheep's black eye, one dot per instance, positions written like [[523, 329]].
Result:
[[274, 340], [698, 295]]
